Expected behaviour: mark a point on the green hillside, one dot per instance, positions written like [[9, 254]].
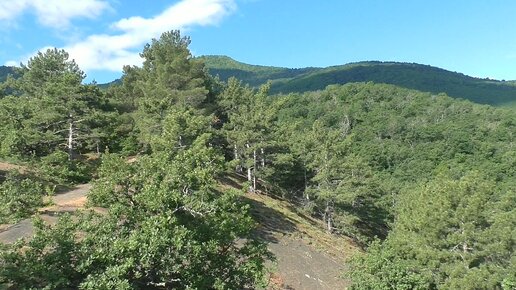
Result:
[[255, 75], [5, 71], [111, 83], [408, 75]]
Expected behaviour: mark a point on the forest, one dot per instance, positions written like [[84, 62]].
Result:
[[423, 184], [415, 76]]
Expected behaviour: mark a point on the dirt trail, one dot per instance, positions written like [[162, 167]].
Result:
[[68, 201], [4, 167], [74, 198], [306, 256]]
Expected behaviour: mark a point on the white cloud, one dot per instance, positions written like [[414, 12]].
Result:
[[11, 9], [111, 52], [53, 13], [12, 63]]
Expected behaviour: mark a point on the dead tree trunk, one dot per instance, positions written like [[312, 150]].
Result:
[[238, 167], [262, 151], [70, 138], [250, 174], [254, 169], [328, 216]]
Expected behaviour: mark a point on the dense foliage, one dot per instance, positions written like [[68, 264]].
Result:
[[255, 75], [423, 182], [432, 175], [167, 226], [19, 197], [408, 75], [164, 223], [48, 111], [5, 71], [448, 234]]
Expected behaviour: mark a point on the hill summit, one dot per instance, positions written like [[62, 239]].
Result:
[[408, 75]]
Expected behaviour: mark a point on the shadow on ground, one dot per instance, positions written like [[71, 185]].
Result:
[[272, 223], [301, 262]]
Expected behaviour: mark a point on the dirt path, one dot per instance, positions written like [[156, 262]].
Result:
[[74, 198], [6, 167], [68, 201], [301, 266], [306, 256]]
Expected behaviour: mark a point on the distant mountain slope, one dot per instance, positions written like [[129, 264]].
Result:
[[409, 75], [105, 86], [9, 70], [5, 71], [255, 75]]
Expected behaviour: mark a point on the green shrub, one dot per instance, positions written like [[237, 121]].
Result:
[[57, 168], [19, 197]]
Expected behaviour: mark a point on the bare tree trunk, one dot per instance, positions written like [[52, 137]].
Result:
[[329, 224], [262, 151], [70, 139], [254, 169], [238, 167], [328, 216], [250, 174], [250, 178]]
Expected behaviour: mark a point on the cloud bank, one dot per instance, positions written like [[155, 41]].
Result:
[[53, 13], [113, 51]]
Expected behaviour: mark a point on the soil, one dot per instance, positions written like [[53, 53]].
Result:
[[5, 167], [306, 257]]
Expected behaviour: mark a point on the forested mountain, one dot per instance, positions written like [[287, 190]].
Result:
[[408, 75], [254, 75], [422, 182], [5, 71]]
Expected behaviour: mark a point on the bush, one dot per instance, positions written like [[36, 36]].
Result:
[[19, 197], [381, 269], [57, 168]]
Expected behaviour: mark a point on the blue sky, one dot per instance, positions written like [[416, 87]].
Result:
[[477, 38]]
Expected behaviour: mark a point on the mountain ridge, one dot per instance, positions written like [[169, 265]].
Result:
[[420, 77], [254, 75], [416, 76]]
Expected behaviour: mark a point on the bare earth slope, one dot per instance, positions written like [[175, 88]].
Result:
[[306, 256]]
